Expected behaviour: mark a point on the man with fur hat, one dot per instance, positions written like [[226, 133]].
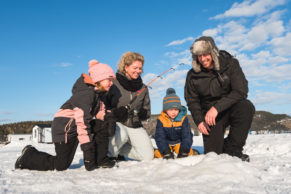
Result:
[[216, 94]]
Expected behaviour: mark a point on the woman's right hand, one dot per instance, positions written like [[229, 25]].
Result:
[[203, 128]]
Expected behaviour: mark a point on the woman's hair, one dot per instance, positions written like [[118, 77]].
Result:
[[127, 59]]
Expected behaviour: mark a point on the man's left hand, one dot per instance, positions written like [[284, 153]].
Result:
[[211, 116]]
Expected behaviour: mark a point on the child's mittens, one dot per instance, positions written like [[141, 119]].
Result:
[[182, 153], [168, 155]]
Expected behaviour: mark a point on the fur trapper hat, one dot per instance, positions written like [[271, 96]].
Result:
[[203, 45]]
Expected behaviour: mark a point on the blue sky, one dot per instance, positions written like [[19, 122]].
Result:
[[45, 46]]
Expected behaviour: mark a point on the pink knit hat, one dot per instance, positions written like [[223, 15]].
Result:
[[99, 71]]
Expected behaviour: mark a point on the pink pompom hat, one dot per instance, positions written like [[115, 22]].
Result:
[[99, 71]]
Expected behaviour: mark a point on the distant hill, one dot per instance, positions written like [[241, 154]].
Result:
[[267, 121], [262, 121]]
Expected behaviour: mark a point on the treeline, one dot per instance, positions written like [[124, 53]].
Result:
[[263, 121], [267, 121], [19, 128]]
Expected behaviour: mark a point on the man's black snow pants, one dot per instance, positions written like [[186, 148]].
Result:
[[239, 117]]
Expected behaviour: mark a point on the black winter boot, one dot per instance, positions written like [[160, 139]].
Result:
[[245, 157], [106, 163], [242, 156], [19, 164], [89, 154], [195, 152], [182, 153], [168, 155], [118, 158]]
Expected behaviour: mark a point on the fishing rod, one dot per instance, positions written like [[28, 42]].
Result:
[[159, 76], [148, 85]]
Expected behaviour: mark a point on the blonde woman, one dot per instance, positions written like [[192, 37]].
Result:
[[130, 138]]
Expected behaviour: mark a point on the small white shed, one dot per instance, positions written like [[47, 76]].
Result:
[[253, 132], [18, 137], [42, 133]]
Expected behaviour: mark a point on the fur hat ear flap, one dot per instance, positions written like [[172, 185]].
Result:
[[215, 54], [195, 65]]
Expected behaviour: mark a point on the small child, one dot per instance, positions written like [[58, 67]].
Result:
[[173, 134]]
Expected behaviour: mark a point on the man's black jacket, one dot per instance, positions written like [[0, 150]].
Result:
[[220, 89]]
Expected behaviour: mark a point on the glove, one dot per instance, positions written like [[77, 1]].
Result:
[[89, 155], [168, 155], [120, 113], [143, 114], [110, 123], [182, 153]]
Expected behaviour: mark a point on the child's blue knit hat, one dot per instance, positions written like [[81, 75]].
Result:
[[171, 100]]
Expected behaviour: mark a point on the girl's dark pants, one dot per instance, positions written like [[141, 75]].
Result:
[[65, 152]]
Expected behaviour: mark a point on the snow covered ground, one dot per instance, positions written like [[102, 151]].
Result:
[[268, 172]]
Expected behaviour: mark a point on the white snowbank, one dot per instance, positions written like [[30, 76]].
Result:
[[268, 172]]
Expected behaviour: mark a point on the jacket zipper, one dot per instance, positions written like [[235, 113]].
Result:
[[128, 120]]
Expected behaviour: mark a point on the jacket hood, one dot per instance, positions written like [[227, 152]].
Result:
[[203, 45], [82, 84], [182, 113]]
